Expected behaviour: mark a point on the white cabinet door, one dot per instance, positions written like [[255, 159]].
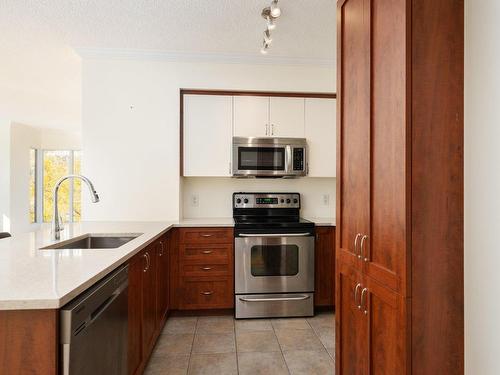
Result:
[[251, 116], [287, 117], [321, 134], [207, 135]]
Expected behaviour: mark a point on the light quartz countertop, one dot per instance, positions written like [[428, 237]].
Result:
[[31, 278], [322, 221]]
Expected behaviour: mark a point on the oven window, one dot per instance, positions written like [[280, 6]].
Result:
[[261, 158], [274, 260]]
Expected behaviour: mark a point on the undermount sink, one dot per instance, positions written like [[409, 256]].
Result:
[[94, 241]]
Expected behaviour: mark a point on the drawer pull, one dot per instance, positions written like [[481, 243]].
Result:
[[209, 293], [207, 235], [206, 268], [207, 251]]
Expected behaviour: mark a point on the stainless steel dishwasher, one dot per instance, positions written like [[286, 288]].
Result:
[[94, 329]]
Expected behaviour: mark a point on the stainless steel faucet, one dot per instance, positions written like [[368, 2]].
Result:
[[56, 221]]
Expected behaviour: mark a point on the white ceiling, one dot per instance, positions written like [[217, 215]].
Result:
[[40, 69]]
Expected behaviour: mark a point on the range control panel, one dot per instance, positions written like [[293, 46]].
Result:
[[266, 200]]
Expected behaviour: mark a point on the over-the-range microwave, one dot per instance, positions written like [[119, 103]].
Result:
[[269, 157]]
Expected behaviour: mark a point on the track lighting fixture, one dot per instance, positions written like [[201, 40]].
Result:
[[270, 14]]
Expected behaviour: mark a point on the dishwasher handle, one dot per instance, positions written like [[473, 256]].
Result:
[[100, 309], [306, 234]]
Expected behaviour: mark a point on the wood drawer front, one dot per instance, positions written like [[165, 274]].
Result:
[[206, 293], [195, 270], [204, 254], [206, 235]]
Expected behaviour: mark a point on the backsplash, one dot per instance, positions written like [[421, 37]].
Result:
[[211, 196]]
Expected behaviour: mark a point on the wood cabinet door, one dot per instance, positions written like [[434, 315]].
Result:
[[135, 272], [286, 117], [149, 299], [207, 135], [385, 311], [251, 116], [162, 279], [324, 291], [353, 141], [321, 135], [351, 325], [384, 252]]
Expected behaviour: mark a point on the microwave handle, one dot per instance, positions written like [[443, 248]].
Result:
[[288, 159], [275, 234]]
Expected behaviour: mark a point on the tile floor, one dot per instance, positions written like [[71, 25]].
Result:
[[219, 345]]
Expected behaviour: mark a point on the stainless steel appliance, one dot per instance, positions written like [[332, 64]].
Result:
[[274, 256], [94, 329], [269, 157]]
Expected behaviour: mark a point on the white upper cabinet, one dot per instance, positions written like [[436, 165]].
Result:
[[207, 135], [286, 117], [251, 116], [321, 134]]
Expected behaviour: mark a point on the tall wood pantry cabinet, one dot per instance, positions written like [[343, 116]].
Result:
[[399, 237]]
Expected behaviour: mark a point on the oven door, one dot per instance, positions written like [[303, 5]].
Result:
[[274, 263]]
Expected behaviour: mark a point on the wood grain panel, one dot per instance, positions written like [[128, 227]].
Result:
[[205, 235], [437, 187], [386, 245], [324, 272], [29, 342]]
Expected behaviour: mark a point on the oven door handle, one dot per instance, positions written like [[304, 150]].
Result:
[[275, 234], [275, 299]]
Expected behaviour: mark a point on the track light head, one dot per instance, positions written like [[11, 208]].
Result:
[[275, 9]]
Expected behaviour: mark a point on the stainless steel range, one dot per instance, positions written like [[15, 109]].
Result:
[[274, 256]]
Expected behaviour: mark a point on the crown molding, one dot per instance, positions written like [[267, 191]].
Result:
[[177, 56]]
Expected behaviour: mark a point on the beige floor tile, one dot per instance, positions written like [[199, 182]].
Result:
[[310, 362], [253, 325], [298, 339], [169, 344], [257, 341], [168, 365], [215, 324], [326, 337], [214, 343], [290, 323], [180, 325], [261, 364], [322, 321], [213, 364]]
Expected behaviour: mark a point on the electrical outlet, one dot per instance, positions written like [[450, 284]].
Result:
[[326, 199], [195, 200]]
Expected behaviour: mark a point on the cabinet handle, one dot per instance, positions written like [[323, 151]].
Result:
[[207, 251], [356, 245], [272, 129], [161, 248], [147, 262], [208, 293], [362, 250], [356, 294], [267, 129], [206, 268], [207, 235], [361, 303]]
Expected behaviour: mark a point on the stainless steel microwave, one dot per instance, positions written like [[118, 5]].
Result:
[[269, 157]]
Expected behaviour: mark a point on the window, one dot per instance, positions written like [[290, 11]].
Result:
[[48, 166], [57, 164], [33, 185]]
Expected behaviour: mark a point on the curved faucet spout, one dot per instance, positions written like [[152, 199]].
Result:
[[56, 222]]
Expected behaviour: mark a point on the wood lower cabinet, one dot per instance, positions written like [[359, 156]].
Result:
[[148, 301], [205, 264], [399, 234], [324, 273]]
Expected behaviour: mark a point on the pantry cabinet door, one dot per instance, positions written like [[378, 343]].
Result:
[[251, 116], [207, 135], [321, 135], [286, 116]]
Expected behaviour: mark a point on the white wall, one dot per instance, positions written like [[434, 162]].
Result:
[[130, 125], [215, 194], [482, 188], [4, 175]]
